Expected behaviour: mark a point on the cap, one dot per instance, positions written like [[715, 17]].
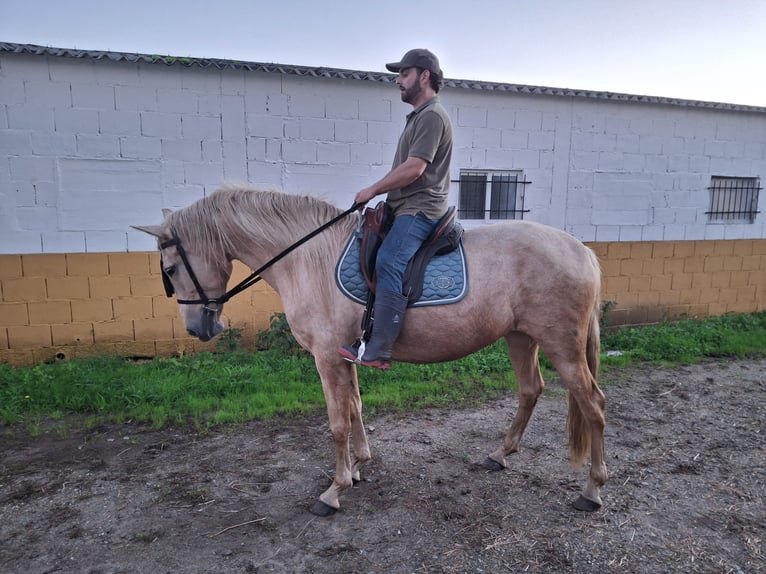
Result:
[[417, 58]]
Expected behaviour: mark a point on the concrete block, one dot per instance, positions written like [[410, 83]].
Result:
[[177, 101], [44, 265], [140, 147], [28, 117], [501, 118], [93, 96], [317, 129], [111, 286], [541, 140], [98, 146], [48, 312], [72, 334], [87, 310], [55, 144], [115, 193], [374, 110], [33, 169], [350, 131], [13, 242], [24, 289], [63, 241], [120, 123], [181, 196], [234, 161], [471, 116], [113, 331], [204, 173], [201, 127], [514, 139], [106, 241], [382, 132], [201, 80], [164, 125], [233, 118], [342, 108], [153, 328], [333, 153], [116, 74], [76, 121], [135, 98], [265, 173], [305, 106], [181, 149], [263, 126], [299, 151], [140, 241], [10, 266], [15, 142], [37, 218], [23, 336], [527, 120], [367, 154], [126, 308], [12, 91], [208, 104], [48, 94], [87, 265], [13, 314], [212, 151]]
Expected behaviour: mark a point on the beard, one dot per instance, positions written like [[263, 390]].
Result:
[[412, 93]]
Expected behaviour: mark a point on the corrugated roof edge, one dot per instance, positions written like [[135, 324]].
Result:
[[339, 73]]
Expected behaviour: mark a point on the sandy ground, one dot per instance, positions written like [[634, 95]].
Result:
[[685, 450]]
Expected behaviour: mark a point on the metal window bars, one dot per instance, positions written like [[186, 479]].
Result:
[[733, 199], [504, 189]]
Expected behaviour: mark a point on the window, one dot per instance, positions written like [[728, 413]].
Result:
[[490, 195], [733, 199]]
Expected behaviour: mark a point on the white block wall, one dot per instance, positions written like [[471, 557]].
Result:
[[89, 147]]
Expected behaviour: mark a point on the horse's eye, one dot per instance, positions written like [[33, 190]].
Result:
[[170, 270]]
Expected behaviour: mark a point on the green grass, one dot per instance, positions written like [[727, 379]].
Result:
[[236, 386]]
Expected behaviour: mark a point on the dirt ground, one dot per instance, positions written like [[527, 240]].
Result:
[[687, 485]]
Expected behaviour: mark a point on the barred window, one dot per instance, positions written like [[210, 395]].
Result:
[[733, 199], [489, 195]]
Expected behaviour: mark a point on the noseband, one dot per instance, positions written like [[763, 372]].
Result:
[[211, 303]]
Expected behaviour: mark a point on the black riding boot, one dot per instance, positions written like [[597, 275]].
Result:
[[389, 316]]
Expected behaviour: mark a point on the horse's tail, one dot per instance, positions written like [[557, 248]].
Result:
[[578, 426]]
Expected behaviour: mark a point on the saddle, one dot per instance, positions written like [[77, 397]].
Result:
[[444, 238]]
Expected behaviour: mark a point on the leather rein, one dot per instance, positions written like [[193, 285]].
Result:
[[248, 281]]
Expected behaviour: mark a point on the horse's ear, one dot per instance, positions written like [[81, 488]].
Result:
[[166, 212], [156, 230]]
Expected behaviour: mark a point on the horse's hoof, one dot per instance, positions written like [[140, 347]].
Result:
[[321, 509], [492, 465], [586, 504]]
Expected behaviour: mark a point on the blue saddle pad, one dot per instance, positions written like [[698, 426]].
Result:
[[445, 281]]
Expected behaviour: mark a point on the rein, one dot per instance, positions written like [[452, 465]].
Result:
[[248, 281]]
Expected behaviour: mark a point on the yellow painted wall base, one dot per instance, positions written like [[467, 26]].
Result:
[[61, 306]]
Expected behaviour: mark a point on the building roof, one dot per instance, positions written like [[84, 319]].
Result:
[[323, 72]]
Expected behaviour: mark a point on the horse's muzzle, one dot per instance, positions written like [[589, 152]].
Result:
[[209, 326]]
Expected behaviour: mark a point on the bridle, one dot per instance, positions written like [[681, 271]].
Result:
[[211, 303]]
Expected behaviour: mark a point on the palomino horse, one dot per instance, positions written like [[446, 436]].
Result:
[[534, 285]]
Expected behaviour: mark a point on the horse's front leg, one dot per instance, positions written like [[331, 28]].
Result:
[[344, 409]]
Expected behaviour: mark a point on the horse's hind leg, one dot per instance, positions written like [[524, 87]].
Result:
[[523, 352]]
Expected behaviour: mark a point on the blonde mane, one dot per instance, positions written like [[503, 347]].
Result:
[[220, 224]]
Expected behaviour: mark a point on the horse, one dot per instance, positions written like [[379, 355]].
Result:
[[533, 285]]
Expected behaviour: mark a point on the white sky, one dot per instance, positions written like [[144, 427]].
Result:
[[696, 49]]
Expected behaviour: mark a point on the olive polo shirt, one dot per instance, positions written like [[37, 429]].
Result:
[[427, 135]]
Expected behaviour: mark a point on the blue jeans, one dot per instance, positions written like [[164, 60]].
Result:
[[402, 241]]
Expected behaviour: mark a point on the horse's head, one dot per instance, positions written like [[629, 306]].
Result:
[[198, 283]]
